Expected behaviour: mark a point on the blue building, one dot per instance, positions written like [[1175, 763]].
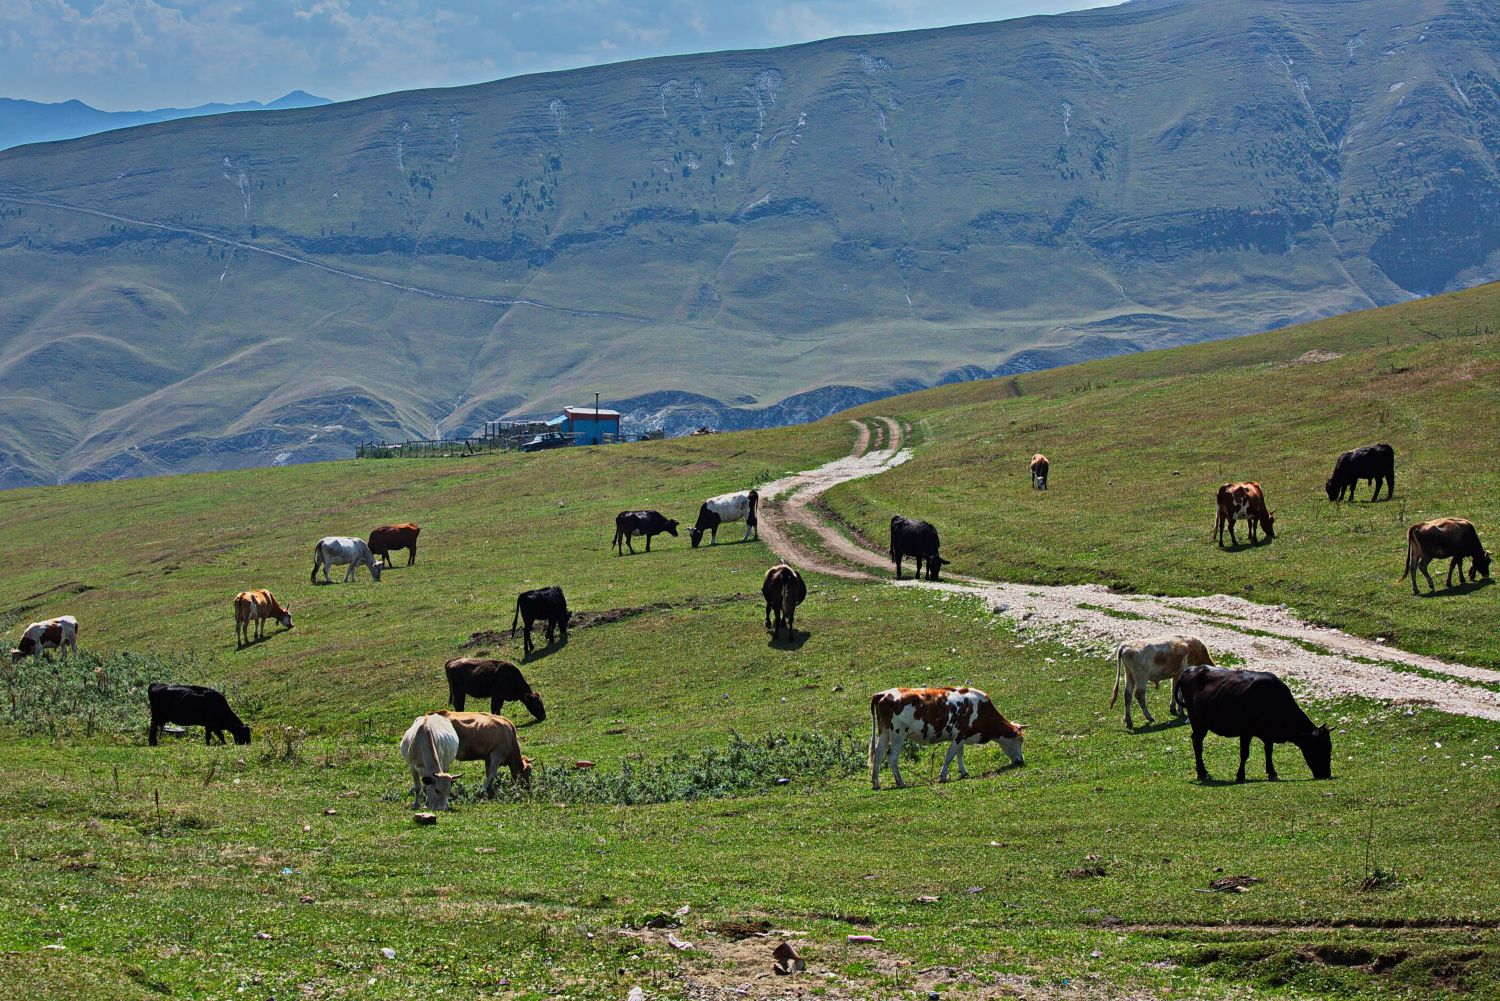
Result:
[[587, 425]]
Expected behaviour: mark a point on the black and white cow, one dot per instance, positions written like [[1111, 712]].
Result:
[[1250, 705], [1373, 463], [910, 537], [724, 508], [542, 604], [194, 705], [647, 523]]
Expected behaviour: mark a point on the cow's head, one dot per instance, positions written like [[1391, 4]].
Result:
[[17, 655], [532, 700], [436, 789], [1481, 564], [1317, 751], [523, 775], [375, 570], [1268, 523], [672, 527], [1012, 745], [1332, 490], [935, 565], [696, 534], [285, 618], [241, 732]]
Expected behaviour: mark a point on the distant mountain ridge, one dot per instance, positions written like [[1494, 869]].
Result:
[[737, 238], [23, 122]]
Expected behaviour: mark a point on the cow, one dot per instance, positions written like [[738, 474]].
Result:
[[1039, 467], [725, 508], [429, 746], [1373, 463], [1452, 539], [491, 739], [387, 538], [542, 603], [783, 589], [932, 716], [910, 537], [1155, 660], [647, 523], [496, 680], [1251, 705], [340, 550], [1243, 502], [256, 607], [193, 705], [60, 633]]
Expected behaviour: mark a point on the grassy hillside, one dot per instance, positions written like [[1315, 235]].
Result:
[[1084, 874], [862, 213]]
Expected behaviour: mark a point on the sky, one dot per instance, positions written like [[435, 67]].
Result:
[[122, 55]]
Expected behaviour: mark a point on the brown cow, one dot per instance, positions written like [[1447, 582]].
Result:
[[389, 537], [1243, 502], [1445, 538], [1039, 467], [257, 606], [491, 739]]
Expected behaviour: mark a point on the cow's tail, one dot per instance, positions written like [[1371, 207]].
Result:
[[317, 559], [616, 543], [874, 730], [515, 618], [1119, 673], [1411, 555]]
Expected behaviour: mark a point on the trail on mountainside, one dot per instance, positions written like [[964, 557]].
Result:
[[1326, 661]]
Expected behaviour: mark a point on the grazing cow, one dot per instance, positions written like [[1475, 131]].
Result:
[[1452, 539], [1373, 463], [725, 508], [491, 739], [194, 705], [60, 633], [647, 523], [388, 538], [910, 537], [1155, 660], [338, 551], [1251, 705], [256, 607], [932, 716], [496, 680], [784, 589], [1243, 502], [542, 603], [1039, 467], [429, 746]]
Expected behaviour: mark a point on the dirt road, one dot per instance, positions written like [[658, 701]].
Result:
[[1267, 637]]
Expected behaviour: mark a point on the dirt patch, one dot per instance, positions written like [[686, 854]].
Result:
[[737, 928], [1313, 357]]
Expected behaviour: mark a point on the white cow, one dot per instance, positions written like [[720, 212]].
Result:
[[1156, 660], [726, 507], [340, 550], [429, 746], [60, 633]]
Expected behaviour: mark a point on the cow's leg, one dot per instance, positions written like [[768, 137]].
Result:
[[1198, 752], [648, 542], [963, 772], [1232, 540], [768, 613], [416, 790], [490, 768], [153, 731], [631, 547], [1457, 561], [893, 756], [1129, 694], [898, 567], [411, 554], [1422, 566], [1140, 696], [954, 750], [1270, 768], [1244, 756], [878, 740], [497, 702]]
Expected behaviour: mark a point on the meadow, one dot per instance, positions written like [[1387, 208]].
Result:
[[728, 769]]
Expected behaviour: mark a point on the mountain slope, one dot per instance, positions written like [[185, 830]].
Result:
[[23, 122], [819, 224]]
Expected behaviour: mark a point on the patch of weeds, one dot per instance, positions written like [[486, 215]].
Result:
[[284, 745], [85, 693]]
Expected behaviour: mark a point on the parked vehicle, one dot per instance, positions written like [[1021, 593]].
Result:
[[551, 439]]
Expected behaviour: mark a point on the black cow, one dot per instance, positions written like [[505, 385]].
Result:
[[1374, 463], [784, 589], [496, 680], [1250, 705], [647, 523], [194, 705], [910, 537], [542, 603]]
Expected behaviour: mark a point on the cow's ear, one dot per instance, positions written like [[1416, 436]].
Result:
[[427, 780], [1323, 730]]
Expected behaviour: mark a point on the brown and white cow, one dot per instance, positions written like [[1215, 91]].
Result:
[[1159, 659], [960, 716], [1243, 502], [1452, 539], [60, 633], [256, 607], [491, 739], [1039, 467]]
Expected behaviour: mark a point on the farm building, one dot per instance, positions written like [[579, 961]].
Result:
[[587, 425]]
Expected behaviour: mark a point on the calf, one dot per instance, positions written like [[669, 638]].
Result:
[[1375, 463], [387, 538], [340, 550], [60, 633], [194, 705], [543, 603], [1039, 467], [496, 680], [1154, 660], [1243, 502], [1251, 705], [783, 589], [932, 716], [726, 507], [491, 739], [910, 537], [1446, 538], [429, 747], [256, 607], [647, 523]]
